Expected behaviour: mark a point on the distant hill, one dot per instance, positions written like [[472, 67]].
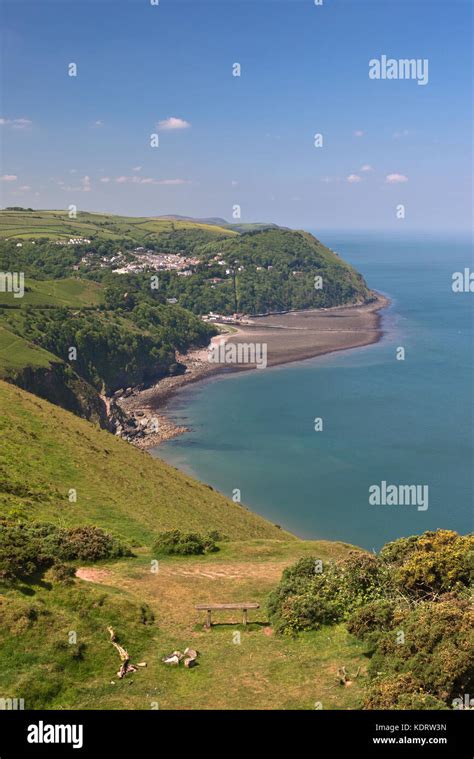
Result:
[[217, 220]]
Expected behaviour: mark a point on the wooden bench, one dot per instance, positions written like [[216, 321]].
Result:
[[219, 607]]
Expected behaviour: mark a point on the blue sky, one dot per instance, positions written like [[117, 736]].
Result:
[[244, 140]]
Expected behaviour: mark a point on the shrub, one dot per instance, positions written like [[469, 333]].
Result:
[[90, 544], [376, 616], [62, 573], [23, 549], [438, 562], [438, 649], [307, 598], [398, 551], [175, 542], [30, 547], [401, 691], [417, 586]]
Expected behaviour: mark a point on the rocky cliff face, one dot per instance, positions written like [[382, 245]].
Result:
[[60, 385]]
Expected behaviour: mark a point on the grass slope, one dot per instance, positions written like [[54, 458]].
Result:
[[72, 292], [16, 352], [57, 225], [47, 451]]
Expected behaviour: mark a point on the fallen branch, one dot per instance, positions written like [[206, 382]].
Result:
[[126, 665], [345, 677]]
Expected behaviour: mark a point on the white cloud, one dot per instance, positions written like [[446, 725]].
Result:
[[137, 168], [359, 133], [85, 185], [16, 123], [24, 187], [395, 178], [353, 178], [9, 178], [366, 167], [403, 133], [98, 123], [173, 181], [105, 179], [150, 180], [173, 123]]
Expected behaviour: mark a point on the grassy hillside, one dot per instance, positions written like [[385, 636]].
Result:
[[16, 353], [76, 293], [122, 338], [47, 451], [277, 269], [56, 225]]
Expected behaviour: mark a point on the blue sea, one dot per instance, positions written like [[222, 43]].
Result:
[[404, 422]]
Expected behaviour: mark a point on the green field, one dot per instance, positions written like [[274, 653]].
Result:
[[75, 293], [57, 225], [16, 353]]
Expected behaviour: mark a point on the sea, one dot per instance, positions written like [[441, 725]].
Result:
[[399, 417]]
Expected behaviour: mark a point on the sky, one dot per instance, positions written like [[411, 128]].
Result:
[[395, 154]]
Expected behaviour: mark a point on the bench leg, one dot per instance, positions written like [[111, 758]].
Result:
[[208, 622], [245, 617]]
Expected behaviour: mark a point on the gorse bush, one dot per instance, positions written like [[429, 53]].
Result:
[[91, 544], [409, 605], [437, 562], [374, 617], [29, 547], [433, 645], [311, 594], [406, 570], [403, 691], [175, 542]]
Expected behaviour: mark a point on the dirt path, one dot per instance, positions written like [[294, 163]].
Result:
[[231, 571], [90, 574]]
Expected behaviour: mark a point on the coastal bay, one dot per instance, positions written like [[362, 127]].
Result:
[[289, 337]]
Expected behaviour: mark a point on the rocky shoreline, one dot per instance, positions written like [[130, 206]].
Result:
[[141, 422]]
